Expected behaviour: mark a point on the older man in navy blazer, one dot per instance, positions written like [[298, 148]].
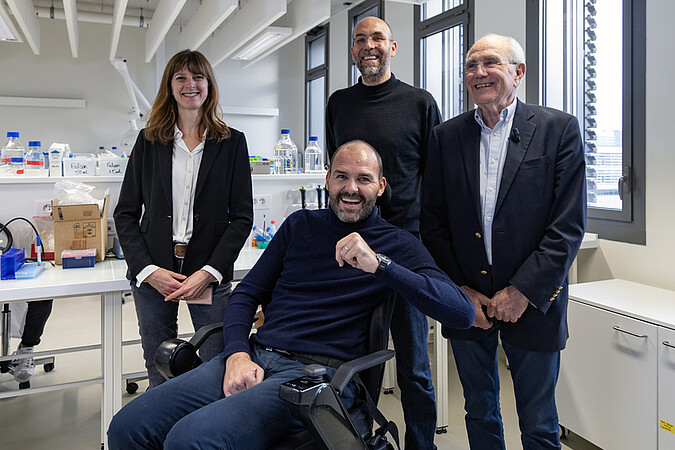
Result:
[[503, 213]]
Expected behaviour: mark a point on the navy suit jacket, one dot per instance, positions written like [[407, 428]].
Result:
[[538, 224], [223, 208]]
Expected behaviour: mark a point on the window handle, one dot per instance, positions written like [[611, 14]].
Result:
[[668, 344], [625, 182], [618, 328]]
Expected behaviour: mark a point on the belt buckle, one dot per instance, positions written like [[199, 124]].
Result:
[[179, 250]]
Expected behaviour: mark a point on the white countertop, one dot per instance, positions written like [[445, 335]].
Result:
[[644, 302], [105, 276]]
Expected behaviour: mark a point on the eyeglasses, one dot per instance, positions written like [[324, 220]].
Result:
[[488, 64]]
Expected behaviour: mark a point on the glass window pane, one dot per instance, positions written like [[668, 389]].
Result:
[[372, 11], [443, 69], [603, 102], [316, 91], [434, 7], [316, 54]]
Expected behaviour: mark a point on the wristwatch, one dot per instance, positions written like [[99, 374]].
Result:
[[384, 263]]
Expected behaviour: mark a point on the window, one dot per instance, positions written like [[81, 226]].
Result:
[[588, 58], [316, 83], [374, 8], [442, 39]]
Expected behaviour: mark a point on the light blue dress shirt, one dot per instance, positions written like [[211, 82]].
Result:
[[494, 143]]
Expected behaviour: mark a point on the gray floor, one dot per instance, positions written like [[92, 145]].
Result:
[[70, 419]]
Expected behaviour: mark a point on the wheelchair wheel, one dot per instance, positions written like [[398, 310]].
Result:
[[24, 385], [48, 367], [132, 388]]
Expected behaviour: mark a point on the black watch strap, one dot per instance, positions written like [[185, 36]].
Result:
[[384, 263]]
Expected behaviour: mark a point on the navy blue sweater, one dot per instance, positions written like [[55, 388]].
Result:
[[312, 305]]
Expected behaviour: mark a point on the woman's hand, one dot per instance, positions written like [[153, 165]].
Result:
[[192, 287], [165, 281]]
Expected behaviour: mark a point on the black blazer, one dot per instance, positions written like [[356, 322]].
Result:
[[538, 224], [223, 208]]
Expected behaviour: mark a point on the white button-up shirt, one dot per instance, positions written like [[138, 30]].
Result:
[[494, 144], [184, 171]]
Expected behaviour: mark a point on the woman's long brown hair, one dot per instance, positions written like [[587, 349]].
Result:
[[164, 112]]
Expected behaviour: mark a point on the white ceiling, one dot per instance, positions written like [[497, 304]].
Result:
[[301, 15]]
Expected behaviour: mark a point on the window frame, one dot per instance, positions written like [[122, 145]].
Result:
[[316, 73], [629, 224], [351, 23], [461, 14]]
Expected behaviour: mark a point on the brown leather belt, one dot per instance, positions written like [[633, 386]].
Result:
[[179, 250]]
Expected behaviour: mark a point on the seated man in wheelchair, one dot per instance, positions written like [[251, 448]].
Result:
[[319, 279]]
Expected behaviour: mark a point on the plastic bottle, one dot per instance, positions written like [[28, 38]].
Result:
[[313, 156], [35, 160], [271, 230], [12, 155], [288, 151]]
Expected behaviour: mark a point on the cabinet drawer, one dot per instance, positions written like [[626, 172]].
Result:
[[607, 387], [666, 375]]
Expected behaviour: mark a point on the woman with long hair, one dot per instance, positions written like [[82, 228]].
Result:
[[185, 208]]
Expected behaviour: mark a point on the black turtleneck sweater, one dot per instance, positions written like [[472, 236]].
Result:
[[396, 119], [312, 305]]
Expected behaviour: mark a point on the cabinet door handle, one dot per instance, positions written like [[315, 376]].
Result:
[[668, 344], [618, 328]]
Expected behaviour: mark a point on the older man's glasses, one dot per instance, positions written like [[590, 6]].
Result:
[[488, 64]]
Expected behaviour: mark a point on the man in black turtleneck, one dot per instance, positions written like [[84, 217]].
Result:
[[397, 120]]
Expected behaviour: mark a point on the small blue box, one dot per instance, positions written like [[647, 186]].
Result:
[[10, 262], [71, 259]]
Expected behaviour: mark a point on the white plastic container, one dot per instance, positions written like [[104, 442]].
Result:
[[110, 164], [79, 164]]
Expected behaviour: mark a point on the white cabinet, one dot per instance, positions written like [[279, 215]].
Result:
[[617, 375], [607, 387], [666, 376]]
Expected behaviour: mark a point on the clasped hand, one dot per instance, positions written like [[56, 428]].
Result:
[[507, 305], [175, 286]]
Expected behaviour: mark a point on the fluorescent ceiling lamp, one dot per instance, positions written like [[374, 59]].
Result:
[[262, 42], [248, 21], [204, 22], [26, 19], [301, 16], [8, 31]]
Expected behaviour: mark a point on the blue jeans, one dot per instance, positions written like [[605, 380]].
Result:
[[158, 321], [534, 376], [191, 412], [409, 330]]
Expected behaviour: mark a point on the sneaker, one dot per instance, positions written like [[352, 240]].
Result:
[[23, 368]]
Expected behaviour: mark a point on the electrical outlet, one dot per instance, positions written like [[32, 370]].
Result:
[[262, 201]]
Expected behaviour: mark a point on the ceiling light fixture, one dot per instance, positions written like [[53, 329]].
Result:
[[262, 42], [7, 30]]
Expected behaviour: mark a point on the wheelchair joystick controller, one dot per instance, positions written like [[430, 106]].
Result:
[[303, 390]]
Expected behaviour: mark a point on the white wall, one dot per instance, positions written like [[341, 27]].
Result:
[[55, 74]]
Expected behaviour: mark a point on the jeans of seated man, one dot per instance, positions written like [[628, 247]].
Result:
[[158, 321], [409, 331], [190, 411], [534, 376]]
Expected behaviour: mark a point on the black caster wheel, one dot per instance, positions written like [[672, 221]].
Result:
[[24, 385], [132, 388], [388, 391], [441, 430], [48, 367], [4, 367]]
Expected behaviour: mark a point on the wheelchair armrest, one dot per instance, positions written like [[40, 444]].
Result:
[[205, 332], [346, 371]]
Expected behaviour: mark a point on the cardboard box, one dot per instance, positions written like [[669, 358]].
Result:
[[260, 167], [80, 227]]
